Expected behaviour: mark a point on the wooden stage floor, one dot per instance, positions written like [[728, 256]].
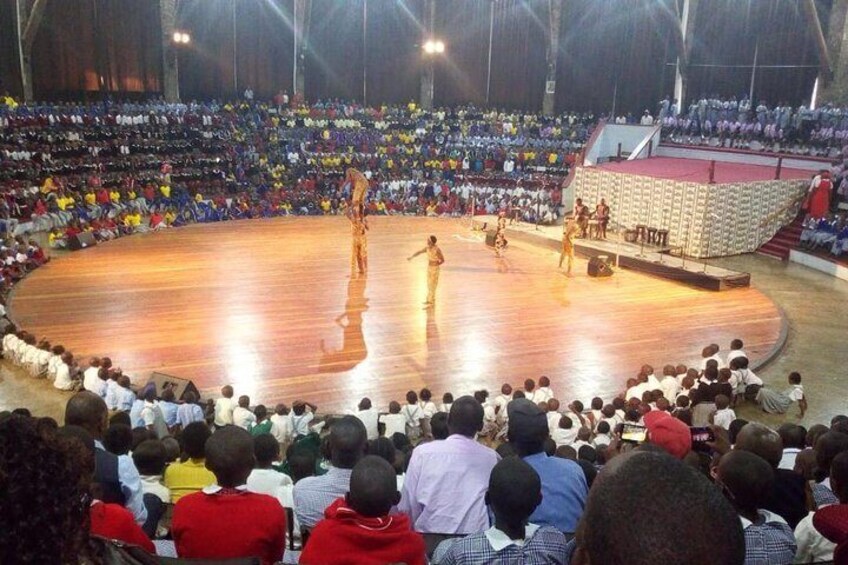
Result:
[[268, 306]]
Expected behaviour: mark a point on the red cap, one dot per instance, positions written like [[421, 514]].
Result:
[[668, 432]]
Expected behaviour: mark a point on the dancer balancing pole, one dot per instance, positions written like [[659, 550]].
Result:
[[358, 188]]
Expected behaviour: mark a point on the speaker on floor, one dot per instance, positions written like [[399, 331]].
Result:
[[180, 386], [81, 241], [599, 268]]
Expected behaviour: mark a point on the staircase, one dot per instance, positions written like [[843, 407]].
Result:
[[784, 240]]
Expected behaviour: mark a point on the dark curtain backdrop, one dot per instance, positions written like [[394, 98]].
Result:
[[92, 45], [613, 53], [609, 49], [730, 33], [10, 70]]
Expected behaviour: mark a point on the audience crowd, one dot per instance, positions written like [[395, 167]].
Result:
[[519, 478], [118, 168]]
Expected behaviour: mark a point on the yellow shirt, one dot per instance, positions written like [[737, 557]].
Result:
[[131, 195], [115, 196], [198, 197], [90, 198], [165, 190], [132, 220], [187, 478]]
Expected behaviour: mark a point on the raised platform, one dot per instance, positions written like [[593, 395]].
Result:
[[267, 306], [824, 264], [696, 170], [649, 260]]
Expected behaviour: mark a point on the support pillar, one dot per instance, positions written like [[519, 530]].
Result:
[[428, 74], [170, 72], [837, 46], [685, 39], [551, 54], [28, 15], [302, 18]]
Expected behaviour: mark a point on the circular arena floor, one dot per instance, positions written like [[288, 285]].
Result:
[[268, 306]]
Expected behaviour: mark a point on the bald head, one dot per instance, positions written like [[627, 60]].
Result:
[[347, 442], [466, 417], [611, 531], [373, 487], [229, 455], [761, 440], [88, 411]]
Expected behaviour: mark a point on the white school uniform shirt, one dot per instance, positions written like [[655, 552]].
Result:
[[553, 421], [722, 418], [716, 358], [788, 459], [395, 423], [273, 483], [429, 408], [734, 353], [224, 408], [243, 418], [543, 394], [601, 439], [812, 546], [53, 365], [112, 390], [669, 386], [445, 408], [797, 393], [369, 419], [564, 437], [412, 413], [636, 391], [90, 378], [63, 377], [281, 427]]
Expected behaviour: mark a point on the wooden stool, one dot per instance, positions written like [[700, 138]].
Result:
[[652, 235], [641, 232], [662, 238], [631, 236], [594, 229]]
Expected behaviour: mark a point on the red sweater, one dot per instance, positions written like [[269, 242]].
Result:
[[346, 538], [113, 521], [229, 524]]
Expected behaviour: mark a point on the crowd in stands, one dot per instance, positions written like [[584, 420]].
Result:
[[118, 168], [739, 123], [519, 478]]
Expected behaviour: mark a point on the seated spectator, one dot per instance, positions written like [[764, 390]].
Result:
[[439, 425], [793, 437], [602, 437], [108, 520], [126, 396], [116, 476], [627, 484], [118, 438], [565, 434], [189, 411], [723, 415], [828, 446], [282, 429], [242, 416], [225, 521], [151, 414], [264, 479], [224, 407], [191, 475], [816, 539], [358, 528], [747, 481], [263, 424], [788, 497], [313, 495], [669, 433], [149, 459], [446, 480], [514, 492], [168, 405], [775, 402], [563, 484], [394, 421], [369, 416]]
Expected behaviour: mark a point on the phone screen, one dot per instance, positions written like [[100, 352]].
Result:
[[701, 435], [633, 433]]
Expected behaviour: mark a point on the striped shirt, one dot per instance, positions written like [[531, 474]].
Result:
[[541, 544]]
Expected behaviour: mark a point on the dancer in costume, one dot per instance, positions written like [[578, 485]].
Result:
[[569, 232], [359, 240], [500, 235], [434, 263], [358, 189]]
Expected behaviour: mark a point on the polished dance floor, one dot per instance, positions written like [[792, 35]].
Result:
[[268, 306]]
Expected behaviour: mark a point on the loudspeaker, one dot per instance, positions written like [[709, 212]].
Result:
[[180, 386], [599, 268], [81, 241], [490, 238]]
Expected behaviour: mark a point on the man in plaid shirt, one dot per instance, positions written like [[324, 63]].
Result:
[[515, 491], [746, 480]]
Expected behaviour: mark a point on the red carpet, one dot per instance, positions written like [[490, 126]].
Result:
[[696, 170]]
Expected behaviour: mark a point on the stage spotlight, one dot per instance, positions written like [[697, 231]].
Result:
[[181, 37], [432, 46]]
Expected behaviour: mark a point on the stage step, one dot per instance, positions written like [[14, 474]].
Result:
[[786, 239]]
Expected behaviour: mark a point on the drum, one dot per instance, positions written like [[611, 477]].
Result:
[[630, 236]]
